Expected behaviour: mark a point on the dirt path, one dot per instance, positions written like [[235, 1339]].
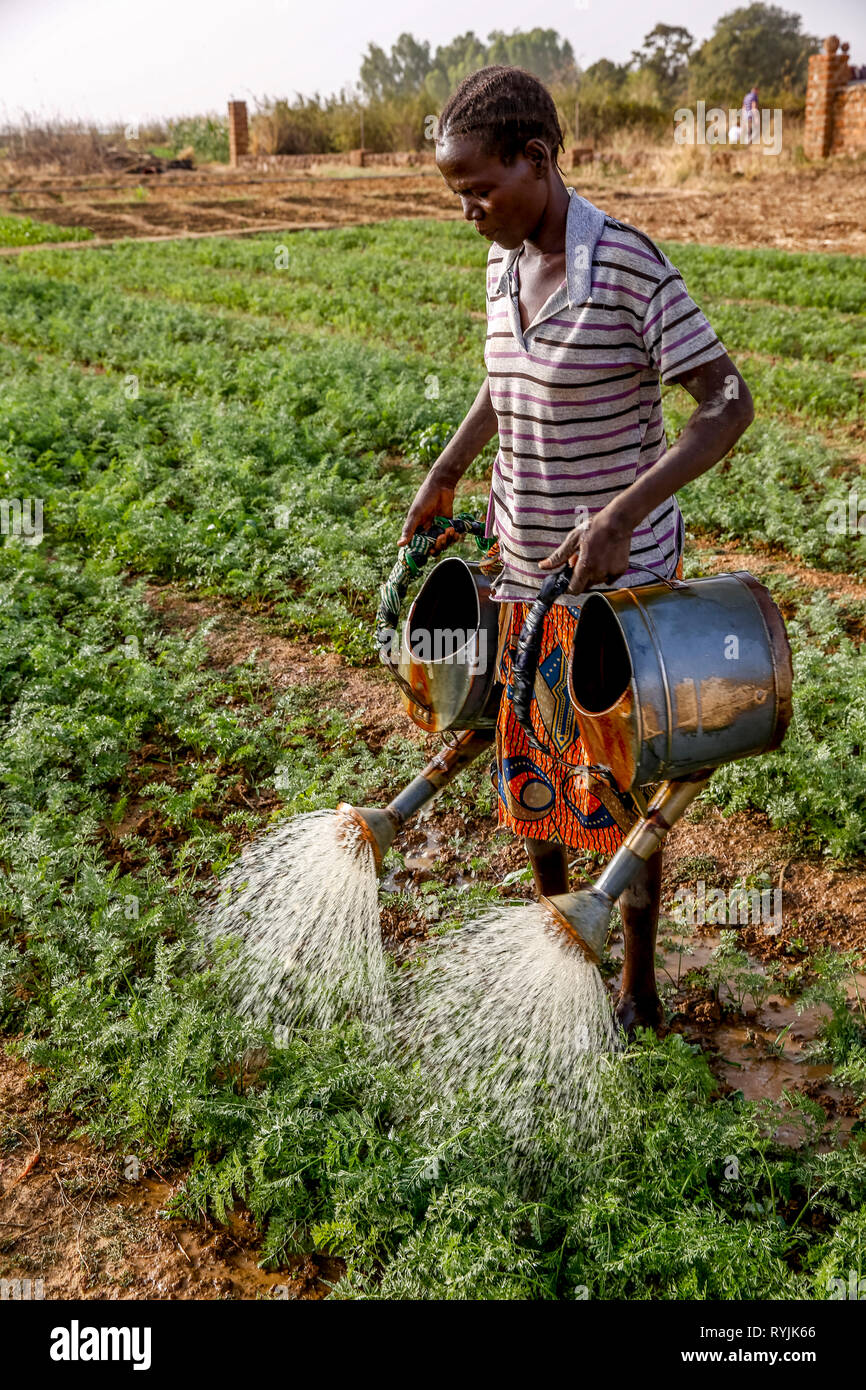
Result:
[[760, 203]]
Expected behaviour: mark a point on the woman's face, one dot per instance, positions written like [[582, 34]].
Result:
[[506, 202]]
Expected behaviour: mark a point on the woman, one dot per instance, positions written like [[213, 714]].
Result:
[[585, 317]]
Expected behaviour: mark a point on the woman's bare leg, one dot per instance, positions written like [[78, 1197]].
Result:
[[549, 866], [638, 1004]]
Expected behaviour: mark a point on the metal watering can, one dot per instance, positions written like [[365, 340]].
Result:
[[443, 657], [668, 680], [443, 661]]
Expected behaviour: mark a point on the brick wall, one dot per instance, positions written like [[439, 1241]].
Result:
[[835, 106], [239, 134], [367, 159], [849, 120]]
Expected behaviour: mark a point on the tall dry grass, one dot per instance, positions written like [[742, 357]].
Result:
[[634, 150], [56, 146], [654, 157]]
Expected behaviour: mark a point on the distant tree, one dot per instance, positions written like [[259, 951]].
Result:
[[756, 44], [451, 63], [541, 51], [606, 72], [400, 73], [602, 81], [665, 54]]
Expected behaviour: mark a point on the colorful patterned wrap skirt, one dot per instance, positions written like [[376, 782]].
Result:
[[543, 797]]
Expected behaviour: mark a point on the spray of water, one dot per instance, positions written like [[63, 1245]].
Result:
[[507, 1007], [302, 903]]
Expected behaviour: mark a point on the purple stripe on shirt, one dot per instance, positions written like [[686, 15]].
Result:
[[602, 327], [632, 250], [568, 405], [566, 438], [678, 342], [584, 477], [620, 289], [664, 309], [502, 530], [566, 366]]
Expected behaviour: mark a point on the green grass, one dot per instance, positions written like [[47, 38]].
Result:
[[23, 231], [188, 412]]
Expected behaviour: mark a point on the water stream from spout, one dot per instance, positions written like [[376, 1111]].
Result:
[[302, 903], [508, 1005]]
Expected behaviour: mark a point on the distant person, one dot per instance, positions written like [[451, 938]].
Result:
[[751, 122], [586, 317]]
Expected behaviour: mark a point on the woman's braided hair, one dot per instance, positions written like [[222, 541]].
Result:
[[504, 107]]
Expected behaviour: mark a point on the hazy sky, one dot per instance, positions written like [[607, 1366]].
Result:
[[107, 59]]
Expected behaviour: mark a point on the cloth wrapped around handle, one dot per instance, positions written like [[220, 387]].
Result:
[[528, 651], [411, 559], [525, 663]]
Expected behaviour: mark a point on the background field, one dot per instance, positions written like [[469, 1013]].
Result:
[[216, 437], [710, 194]]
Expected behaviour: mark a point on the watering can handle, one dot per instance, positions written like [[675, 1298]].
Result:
[[525, 663], [662, 578], [411, 559]]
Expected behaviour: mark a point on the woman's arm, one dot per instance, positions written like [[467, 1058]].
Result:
[[725, 409], [435, 496]]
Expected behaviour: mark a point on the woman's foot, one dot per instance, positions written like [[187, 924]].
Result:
[[632, 1013]]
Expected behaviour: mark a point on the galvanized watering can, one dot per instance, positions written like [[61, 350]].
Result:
[[673, 677], [668, 681], [443, 657]]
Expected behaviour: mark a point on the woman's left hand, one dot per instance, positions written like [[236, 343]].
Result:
[[599, 551]]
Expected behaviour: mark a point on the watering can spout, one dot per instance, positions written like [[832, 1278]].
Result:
[[583, 917], [375, 826], [379, 826]]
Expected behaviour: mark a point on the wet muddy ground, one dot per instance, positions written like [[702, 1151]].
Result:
[[89, 1223]]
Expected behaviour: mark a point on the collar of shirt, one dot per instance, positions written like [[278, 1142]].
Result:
[[583, 227]]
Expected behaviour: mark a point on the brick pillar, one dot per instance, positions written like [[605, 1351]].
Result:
[[239, 134], [828, 71]]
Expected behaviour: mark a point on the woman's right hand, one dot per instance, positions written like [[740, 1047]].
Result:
[[433, 498]]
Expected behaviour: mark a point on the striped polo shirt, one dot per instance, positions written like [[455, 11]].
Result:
[[577, 395]]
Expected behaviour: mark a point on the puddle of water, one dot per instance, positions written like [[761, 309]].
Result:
[[743, 1060], [425, 856], [420, 859]]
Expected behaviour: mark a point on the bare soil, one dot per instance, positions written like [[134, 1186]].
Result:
[[89, 1224], [747, 199]]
